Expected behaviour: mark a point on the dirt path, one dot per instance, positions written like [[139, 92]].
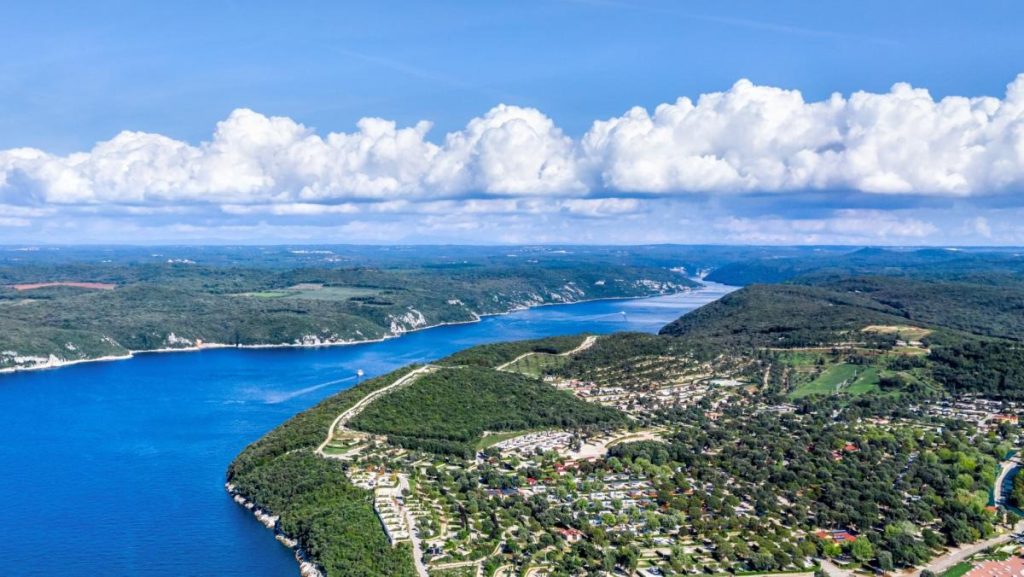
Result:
[[586, 344], [357, 408], [596, 449]]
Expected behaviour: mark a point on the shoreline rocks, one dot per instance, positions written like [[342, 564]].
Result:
[[307, 568]]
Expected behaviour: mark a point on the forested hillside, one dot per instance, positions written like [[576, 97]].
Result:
[[735, 440], [67, 311], [930, 263], [781, 316], [449, 410], [331, 519]]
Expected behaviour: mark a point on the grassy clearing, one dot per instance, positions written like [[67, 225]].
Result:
[[800, 358], [315, 292], [867, 382], [841, 378], [332, 293], [957, 570], [491, 439], [468, 571], [537, 364], [902, 332]]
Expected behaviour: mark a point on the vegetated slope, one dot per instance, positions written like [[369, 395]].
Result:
[[448, 410], [931, 263], [991, 368], [332, 520], [781, 316], [975, 346], [994, 308], [804, 314], [179, 305], [496, 354]]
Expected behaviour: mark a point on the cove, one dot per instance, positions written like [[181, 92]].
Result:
[[117, 468]]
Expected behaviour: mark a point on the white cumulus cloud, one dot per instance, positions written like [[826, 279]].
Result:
[[759, 138], [747, 139]]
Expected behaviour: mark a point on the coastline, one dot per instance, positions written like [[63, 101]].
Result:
[[64, 363], [478, 317], [307, 568]]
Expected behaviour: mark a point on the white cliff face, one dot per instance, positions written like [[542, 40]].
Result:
[[10, 360], [174, 340], [268, 521], [411, 320], [661, 286], [318, 340], [572, 289], [306, 568]]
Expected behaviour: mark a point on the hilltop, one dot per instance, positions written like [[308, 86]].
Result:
[[731, 441]]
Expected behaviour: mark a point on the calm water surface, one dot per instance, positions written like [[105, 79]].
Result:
[[118, 468]]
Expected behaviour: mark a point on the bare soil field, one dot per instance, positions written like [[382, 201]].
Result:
[[84, 285]]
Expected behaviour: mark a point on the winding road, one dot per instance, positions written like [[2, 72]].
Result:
[[586, 344], [357, 408]]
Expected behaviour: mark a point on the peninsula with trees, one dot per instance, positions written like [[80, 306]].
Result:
[[857, 417]]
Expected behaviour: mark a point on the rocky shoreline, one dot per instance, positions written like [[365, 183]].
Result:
[[307, 568]]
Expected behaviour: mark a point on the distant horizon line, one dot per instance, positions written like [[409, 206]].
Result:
[[28, 247]]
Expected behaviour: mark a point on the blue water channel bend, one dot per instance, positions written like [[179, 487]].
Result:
[[117, 468]]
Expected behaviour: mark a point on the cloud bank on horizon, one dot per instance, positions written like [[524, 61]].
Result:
[[680, 163]]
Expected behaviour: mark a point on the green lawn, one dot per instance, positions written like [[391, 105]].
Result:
[[842, 378], [957, 570], [492, 439], [329, 293], [801, 358], [867, 382], [469, 571], [333, 293], [537, 364]]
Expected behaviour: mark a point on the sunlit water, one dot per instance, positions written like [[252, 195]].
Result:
[[117, 468]]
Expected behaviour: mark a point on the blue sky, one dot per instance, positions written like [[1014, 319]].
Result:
[[216, 102]]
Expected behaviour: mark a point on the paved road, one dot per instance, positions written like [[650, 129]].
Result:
[[939, 564], [997, 492], [357, 408], [410, 520], [833, 570], [960, 554]]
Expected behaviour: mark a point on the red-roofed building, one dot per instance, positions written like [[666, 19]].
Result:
[[1012, 567], [836, 536], [571, 535]]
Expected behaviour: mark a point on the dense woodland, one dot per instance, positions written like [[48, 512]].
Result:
[[930, 264], [449, 410], [330, 518], [177, 304], [870, 463], [496, 354]]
